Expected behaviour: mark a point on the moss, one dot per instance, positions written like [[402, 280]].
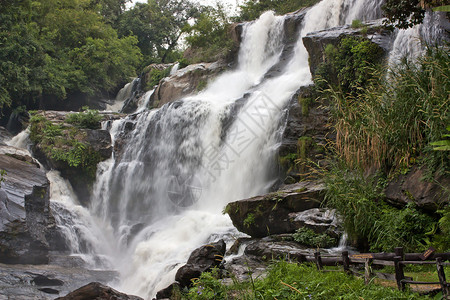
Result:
[[201, 85], [303, 144], [304, 103], [62, 143], [249, 220]]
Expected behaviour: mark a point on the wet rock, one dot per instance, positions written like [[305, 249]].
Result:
[[97, 142], [243, 267], [320, 220], [185, 82], [306, 134], [26, 223], [168, 291], [4, 135], [201, 260], [269, 248], [315, 42], [265, 215], [98, 291], [412, 187]]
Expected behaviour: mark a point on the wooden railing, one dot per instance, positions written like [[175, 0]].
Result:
[[398, 260]]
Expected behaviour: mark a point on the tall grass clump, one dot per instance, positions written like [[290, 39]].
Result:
[[382, 130], [391, 124]]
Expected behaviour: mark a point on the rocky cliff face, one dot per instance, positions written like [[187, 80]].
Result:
[[315, 42], [26, 224]]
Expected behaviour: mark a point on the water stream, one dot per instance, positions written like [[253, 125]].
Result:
[[162, 194]]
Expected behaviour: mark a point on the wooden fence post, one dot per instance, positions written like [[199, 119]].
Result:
[[367, 272], [399, 275], [345, 262], [441, 275], [399, 252], [318, 260]]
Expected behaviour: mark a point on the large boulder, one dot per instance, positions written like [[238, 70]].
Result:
[[412, 187], [269, 214], [26, 224], [96, 145], [201, 260], [97, 291], [185, 82], [316, 42]]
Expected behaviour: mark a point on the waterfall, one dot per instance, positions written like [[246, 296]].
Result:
[[411, 43], [163, 193]]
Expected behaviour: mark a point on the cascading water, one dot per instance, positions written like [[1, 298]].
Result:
[[163, 193], [411, 43]]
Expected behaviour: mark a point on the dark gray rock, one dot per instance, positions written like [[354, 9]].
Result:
[[412, 187], [320, 220], [315, 42], [26, 221], [98, 291], [305, 136], [201, 260], [4, 135], [269, 214], [268, 249], [168, 291]]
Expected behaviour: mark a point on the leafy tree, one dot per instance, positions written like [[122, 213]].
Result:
[[59, 47], [209, 37], [407, 13], [158, 25], [252, 9]]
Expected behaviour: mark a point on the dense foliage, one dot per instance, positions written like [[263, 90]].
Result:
[[252, 9], [407, 13], [390, 126], [55, 48], [292, 281]]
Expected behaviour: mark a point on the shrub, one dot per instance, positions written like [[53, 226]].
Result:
[[308, 237], [88, 119]]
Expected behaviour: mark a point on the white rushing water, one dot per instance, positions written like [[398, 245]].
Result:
[[162, 193]]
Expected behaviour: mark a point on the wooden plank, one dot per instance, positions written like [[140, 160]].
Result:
[[362, 256], [357, 260], [383, 262], [418, 282], [427, 253], [417, 262]]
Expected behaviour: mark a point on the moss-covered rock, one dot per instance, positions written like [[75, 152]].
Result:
[[269, 214], [69, 148]]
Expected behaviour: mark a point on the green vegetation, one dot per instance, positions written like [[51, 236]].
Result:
[[443, 145], [63, 144], [56, 48], [210, 37], [390, 124], [292, 281], [349, 66], [88, 119], [2, 176], [155, 77], [308, 237], [249, 220], [252, 9], [405, 14]]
